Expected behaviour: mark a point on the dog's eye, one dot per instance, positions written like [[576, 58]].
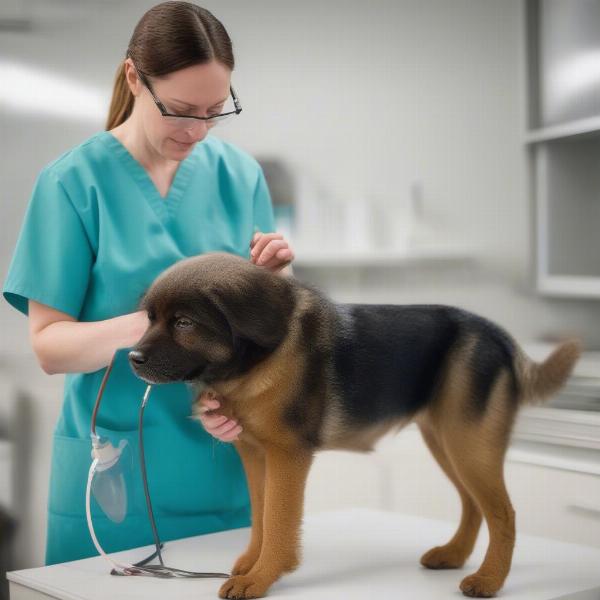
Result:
[[183, 323]]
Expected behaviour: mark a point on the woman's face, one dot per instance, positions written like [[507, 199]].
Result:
[[199, 90]]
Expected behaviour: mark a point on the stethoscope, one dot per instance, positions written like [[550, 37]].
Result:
[[106, 482]]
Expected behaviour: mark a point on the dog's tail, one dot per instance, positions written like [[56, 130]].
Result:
[[539, 381]]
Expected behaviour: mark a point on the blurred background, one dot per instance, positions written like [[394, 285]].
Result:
[[417, 151]]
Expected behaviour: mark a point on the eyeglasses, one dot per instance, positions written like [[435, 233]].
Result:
[[107, 482], [187, 121]]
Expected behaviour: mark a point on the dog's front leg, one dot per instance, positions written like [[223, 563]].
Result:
[[285, 480], [253, 459]]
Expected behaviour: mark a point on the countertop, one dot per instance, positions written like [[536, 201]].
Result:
[[348, 554]]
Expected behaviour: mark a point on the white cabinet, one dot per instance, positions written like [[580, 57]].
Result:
[[555, 503], [563, 134], [401, 475]]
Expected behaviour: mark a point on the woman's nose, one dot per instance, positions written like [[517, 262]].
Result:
[[197, 131]]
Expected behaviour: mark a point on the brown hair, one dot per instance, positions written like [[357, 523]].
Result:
[[168, 37]]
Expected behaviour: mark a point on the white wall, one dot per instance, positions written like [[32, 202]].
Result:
[[443, 82], [369, 96]]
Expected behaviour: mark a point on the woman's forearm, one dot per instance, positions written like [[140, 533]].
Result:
[[84, 347]]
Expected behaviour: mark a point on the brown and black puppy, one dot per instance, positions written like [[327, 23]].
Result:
[[301, 373]]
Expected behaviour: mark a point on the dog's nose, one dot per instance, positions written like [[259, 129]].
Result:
[[137, 357]]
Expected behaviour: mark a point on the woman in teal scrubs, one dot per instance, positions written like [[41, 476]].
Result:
[[105, 218]]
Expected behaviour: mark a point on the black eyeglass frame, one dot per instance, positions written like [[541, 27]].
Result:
[[165, 113]]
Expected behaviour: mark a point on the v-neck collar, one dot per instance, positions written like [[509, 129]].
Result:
[[166, 206]]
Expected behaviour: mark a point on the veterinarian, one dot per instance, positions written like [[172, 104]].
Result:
[[104, 219]]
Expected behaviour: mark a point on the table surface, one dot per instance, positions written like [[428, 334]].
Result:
[[348, 554]]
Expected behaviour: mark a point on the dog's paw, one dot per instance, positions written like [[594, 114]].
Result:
[[480, 586], [244, 586], [244, 563], [443, 557]]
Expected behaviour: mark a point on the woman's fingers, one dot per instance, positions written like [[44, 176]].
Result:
[[231, 435], [270, 251], [257, 235], [223, 429], [219, 426], [210, 422], [227, 432], [281, 259], [262, 242]]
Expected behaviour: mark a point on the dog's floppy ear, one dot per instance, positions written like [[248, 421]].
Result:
[[257, 306]]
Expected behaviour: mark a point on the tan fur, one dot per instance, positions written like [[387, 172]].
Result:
[[340, 436], [257, 399], [542, 380], [471, 454]]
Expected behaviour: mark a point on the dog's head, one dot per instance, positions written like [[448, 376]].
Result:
[[212, 317]]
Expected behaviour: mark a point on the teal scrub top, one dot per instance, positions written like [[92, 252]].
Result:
[[95, 234]]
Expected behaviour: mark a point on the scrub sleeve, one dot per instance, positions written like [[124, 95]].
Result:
[[94, 236]]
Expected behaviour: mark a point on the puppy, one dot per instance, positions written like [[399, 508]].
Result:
[[301, 373]]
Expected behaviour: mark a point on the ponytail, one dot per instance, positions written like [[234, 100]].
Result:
[[121, 104]]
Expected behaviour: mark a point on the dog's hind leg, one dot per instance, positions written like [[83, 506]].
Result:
[[453, 554], [475, 446], [253, 459]]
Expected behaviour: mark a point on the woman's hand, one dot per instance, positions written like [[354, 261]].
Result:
[[270, 250], [218, 426]]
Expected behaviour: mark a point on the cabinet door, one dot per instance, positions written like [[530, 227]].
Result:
[[568, 47], [555, 503]]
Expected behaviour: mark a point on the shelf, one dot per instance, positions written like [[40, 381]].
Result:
[[564, 458], [567, 212], [569, 286], [559, 426], [379, 257], [581, 127]]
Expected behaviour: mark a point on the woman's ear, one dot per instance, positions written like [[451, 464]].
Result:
[[131, 78], [258, 307]]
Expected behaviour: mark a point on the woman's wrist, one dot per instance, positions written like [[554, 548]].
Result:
[[128, 329], [135, 325]]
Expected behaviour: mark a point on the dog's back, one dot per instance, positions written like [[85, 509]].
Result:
[[391, 362], [390, 359]]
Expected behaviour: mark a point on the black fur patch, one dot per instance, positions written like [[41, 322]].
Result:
[[388, 358], [493, 353], [305, 414]]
